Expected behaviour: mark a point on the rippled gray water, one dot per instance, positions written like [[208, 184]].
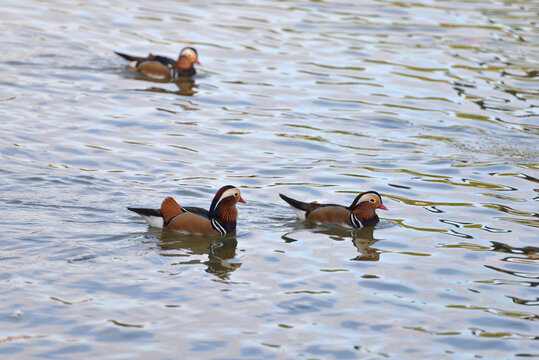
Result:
[[432, 103]]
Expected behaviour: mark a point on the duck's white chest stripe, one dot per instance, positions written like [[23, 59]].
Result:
[[172, 71], [218, 227], [355, 221]]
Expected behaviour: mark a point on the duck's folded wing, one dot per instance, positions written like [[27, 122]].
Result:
[[192, 223], [197, 210]]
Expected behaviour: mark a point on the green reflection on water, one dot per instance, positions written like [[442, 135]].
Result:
[[520, 315], [125, 324], [430, 332], [465, 246]]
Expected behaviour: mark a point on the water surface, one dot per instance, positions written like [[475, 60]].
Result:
[[434, 104]]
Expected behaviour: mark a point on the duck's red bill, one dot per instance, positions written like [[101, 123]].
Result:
[[382, 206], [243, 201], [198, 62]]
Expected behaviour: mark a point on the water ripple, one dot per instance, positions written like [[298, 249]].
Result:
[[433, 105]]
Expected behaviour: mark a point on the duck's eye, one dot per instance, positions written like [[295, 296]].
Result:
[[372, 200], [235, 194]]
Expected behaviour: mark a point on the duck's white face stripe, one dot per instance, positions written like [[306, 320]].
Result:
[[189, 53], [227, 193], [368, 197]]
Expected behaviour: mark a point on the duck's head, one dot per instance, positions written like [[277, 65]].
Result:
[[367, 201], [190, 54], [224, 202]]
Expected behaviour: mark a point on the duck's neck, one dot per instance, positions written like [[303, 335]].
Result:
[[365, 214], [184, 64], [227, 215], [229, 226]]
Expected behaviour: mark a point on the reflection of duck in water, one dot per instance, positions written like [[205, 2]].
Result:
[[185, 88], [362, 239], [164, 68], [358, 215], [219, 220], [220, 251]]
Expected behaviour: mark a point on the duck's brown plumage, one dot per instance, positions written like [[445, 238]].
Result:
[[359, 214], [170, 208], [219, 220], [162, 67], [193, 224], [227, 211]]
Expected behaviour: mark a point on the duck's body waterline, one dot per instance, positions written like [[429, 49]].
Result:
[[164, 68], [220, 219], [361, 213]]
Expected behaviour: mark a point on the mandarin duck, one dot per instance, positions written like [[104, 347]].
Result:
[[219, 220], [358, 215], [164, 68]]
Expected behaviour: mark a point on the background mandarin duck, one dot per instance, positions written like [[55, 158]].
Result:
[[164, 68], [219, 220], [360, 214]]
